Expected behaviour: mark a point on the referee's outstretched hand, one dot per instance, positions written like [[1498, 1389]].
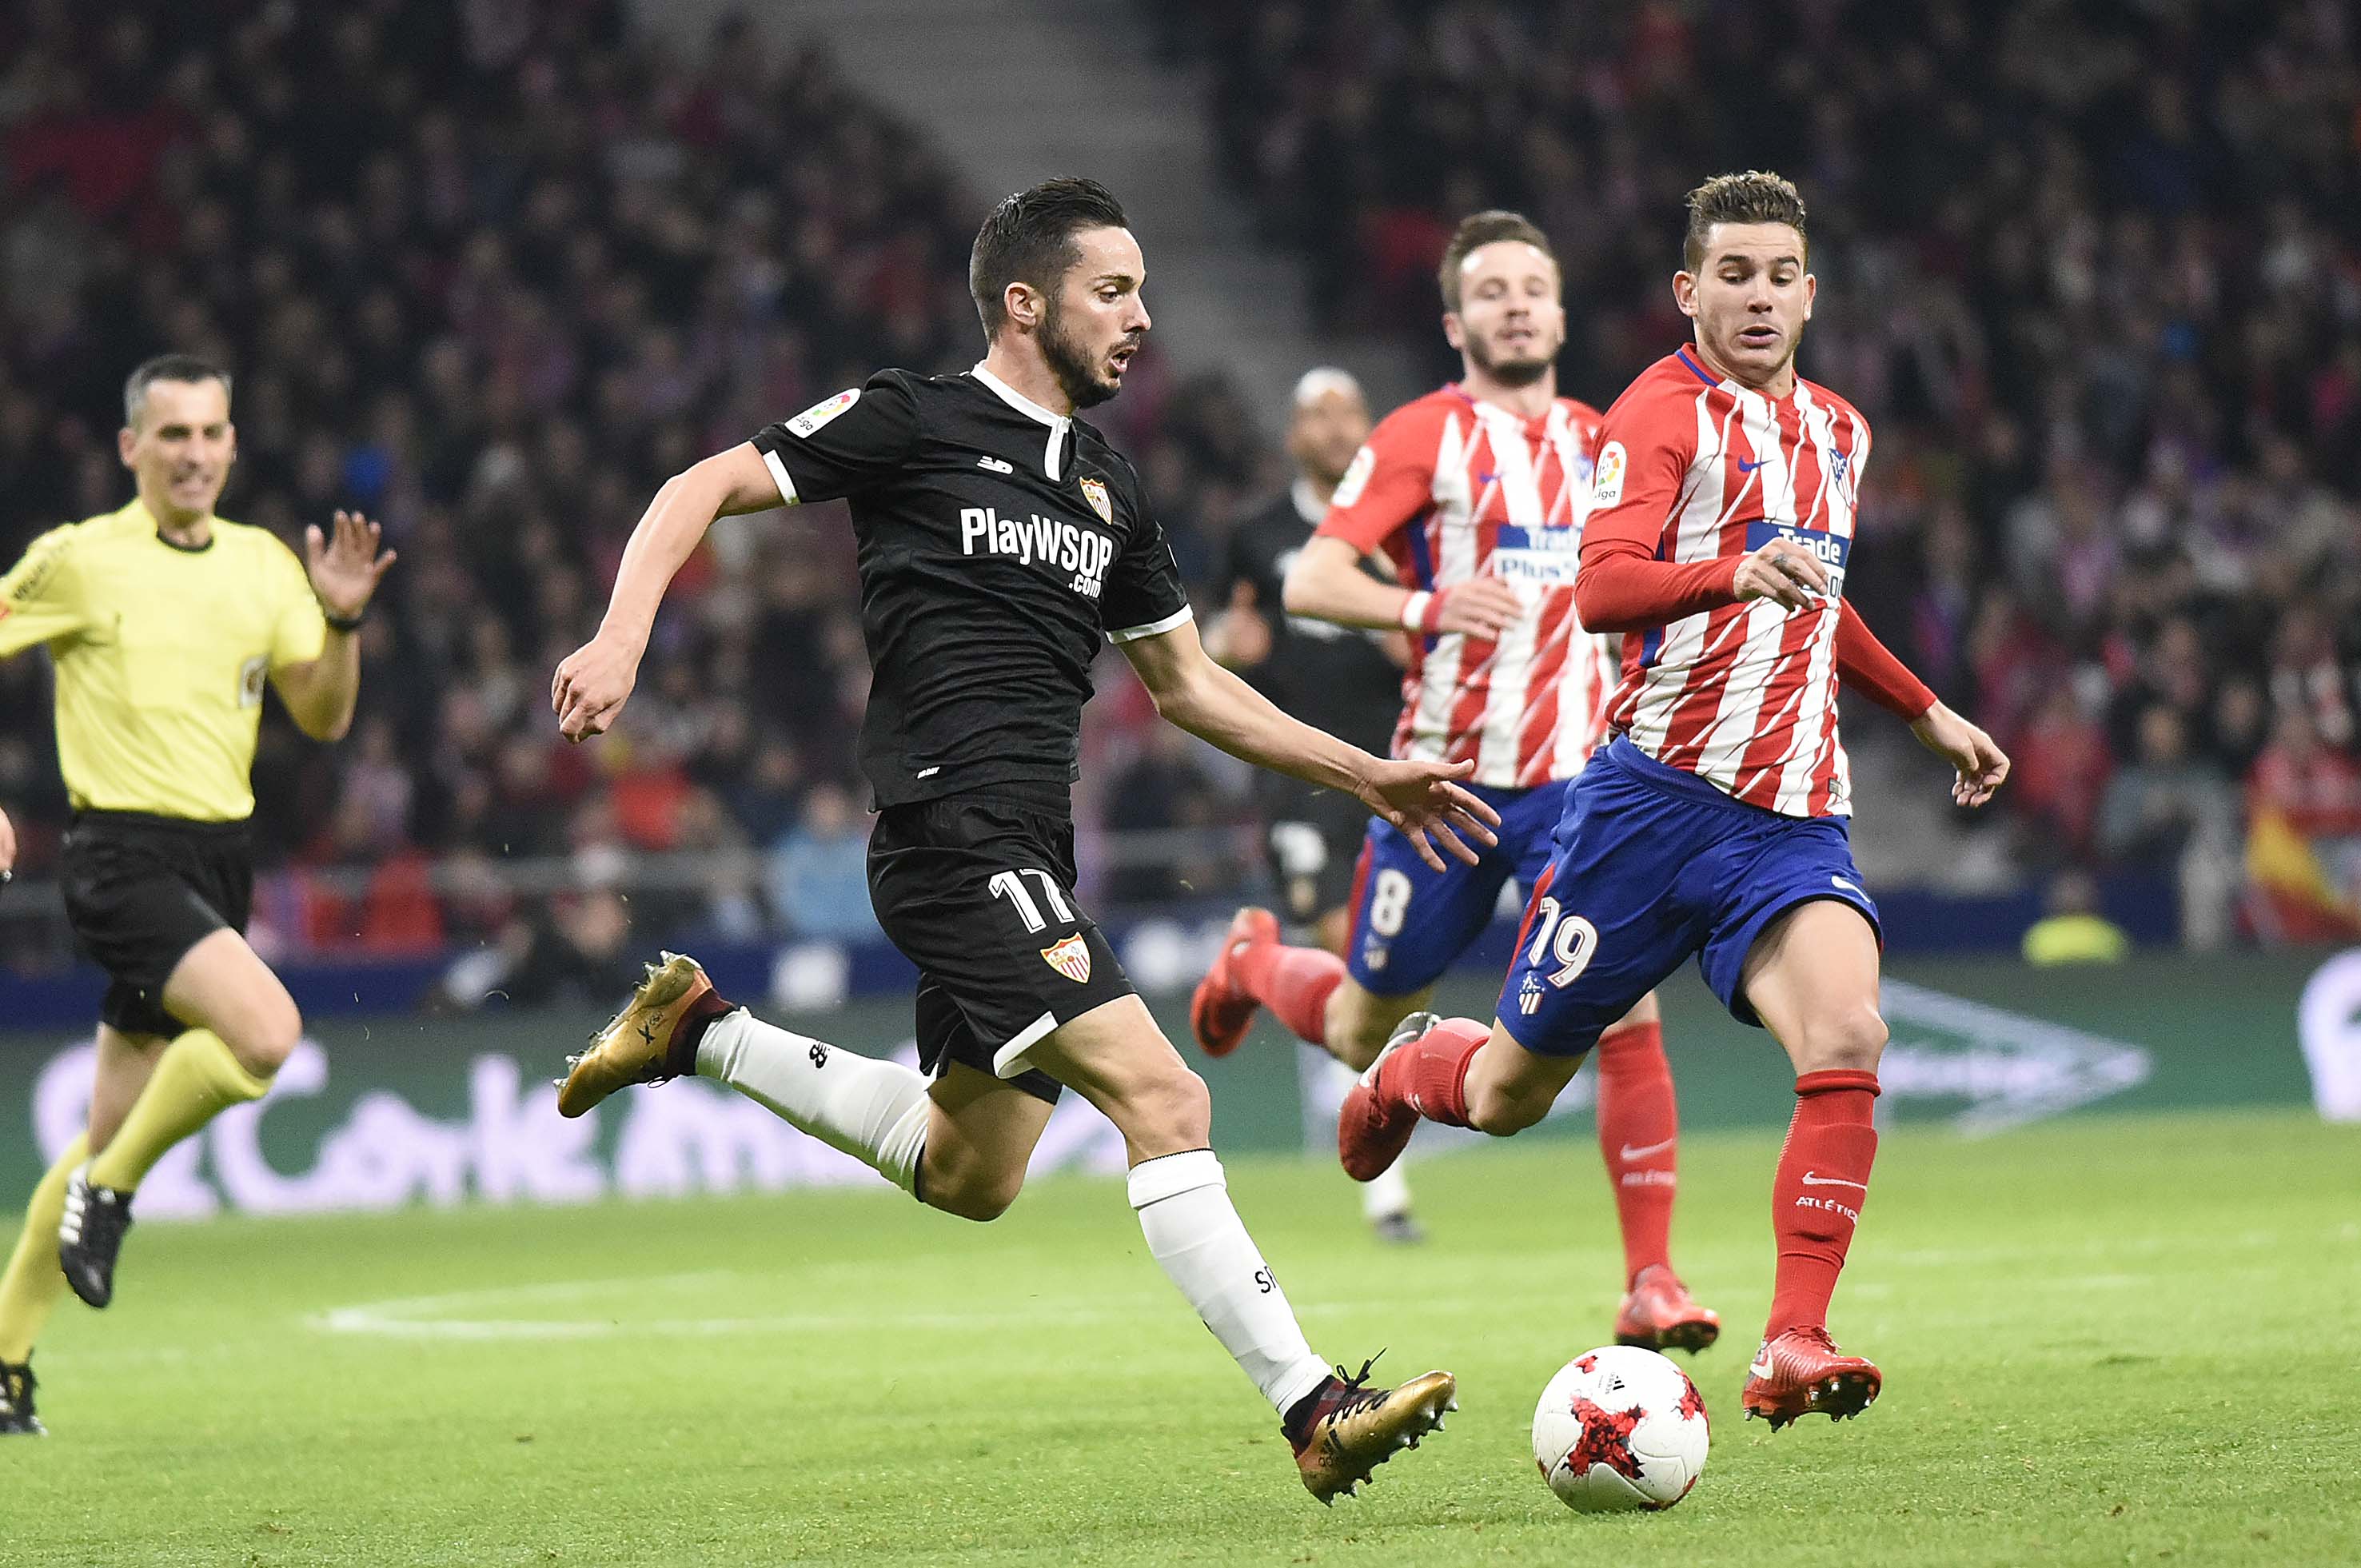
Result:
[[1420, 799], [345, 566], [591, 685]]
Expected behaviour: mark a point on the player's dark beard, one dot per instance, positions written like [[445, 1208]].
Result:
[[1070, 362], [1507, 372]]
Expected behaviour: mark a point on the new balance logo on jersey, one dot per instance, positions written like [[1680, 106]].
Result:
[[996, 465], [1053, 542]]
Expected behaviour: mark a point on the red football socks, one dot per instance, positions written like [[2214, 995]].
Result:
[[1639, 1132], [1816, 1195], [1294, 983], [1430, 1074]]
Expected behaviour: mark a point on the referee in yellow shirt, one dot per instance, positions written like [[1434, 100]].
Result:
[[165, 621]]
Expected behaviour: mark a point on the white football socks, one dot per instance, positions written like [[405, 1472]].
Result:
[[874, 1111], [1193, 1232], [1390, 1194]]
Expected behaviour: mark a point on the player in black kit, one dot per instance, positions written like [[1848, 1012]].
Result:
[[1342, 679], [999, 539]]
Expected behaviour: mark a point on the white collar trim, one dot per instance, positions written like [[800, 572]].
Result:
[[1030, 410]]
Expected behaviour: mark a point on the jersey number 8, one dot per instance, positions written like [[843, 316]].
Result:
[[1569, 939], [1388, 902]]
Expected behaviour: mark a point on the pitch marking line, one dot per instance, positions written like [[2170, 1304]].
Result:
[[421, 1317]]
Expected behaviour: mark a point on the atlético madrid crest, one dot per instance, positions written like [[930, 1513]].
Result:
[[1071, 957], [1094, 492]]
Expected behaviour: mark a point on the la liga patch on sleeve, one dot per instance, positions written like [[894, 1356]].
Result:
[[1355, 479], [819, 413], [1606, 485]]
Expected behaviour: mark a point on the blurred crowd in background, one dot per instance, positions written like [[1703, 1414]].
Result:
[[2093, 270], [492, 273]]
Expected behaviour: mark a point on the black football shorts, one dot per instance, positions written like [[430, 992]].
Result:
[[1312, 838], [140, 891], [978, 891]]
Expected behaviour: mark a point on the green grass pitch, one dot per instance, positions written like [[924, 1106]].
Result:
[[2104, 1339]]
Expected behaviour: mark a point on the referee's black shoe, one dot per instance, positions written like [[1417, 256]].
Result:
[[91, 1235], [16, 1417]]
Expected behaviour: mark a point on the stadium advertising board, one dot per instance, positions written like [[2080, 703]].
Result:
[[372, 1115]]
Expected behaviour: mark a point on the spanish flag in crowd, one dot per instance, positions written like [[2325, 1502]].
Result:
[[2294, 898]]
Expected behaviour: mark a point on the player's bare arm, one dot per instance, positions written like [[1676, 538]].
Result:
[[1211, 703], [7, 850], [1327, 583], [592, 683], [345, 566]]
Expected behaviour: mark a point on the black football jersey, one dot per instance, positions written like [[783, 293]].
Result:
[[999, 546], [1336, 678]]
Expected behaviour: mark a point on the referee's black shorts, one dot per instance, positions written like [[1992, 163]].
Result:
[[140, 891], [1312, 838], [978, 891]]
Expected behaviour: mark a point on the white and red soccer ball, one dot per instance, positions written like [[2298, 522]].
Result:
[[1619, 1428]]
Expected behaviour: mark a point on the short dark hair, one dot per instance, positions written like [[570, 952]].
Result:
[[1029, 238], [167, 367], [1477, 230], [1757, 196]]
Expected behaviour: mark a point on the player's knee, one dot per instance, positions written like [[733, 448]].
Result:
[[264, 1044], [1173, 1113], [1850, 1040]]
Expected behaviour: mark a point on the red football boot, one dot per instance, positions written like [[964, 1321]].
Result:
[[1660, 1314], [1221, 1010], [1371, 1135], [1802, 1373]]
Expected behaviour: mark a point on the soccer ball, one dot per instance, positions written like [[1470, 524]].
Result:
[[1619, 1428]]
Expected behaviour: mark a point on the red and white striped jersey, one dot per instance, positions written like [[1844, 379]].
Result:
[[1699, 469], [1450, 488]]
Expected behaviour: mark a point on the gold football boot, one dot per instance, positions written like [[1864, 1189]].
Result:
[[1352, 1429], [636, 1043]]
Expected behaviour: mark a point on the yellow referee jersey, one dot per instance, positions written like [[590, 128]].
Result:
[[161, 653]]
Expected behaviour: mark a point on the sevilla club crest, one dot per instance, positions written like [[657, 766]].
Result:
[[1071, 957], [1094, 491]]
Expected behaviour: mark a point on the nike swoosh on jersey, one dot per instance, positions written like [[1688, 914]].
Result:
[[1630, 1153], [1812, 1180], [1847, 887]]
